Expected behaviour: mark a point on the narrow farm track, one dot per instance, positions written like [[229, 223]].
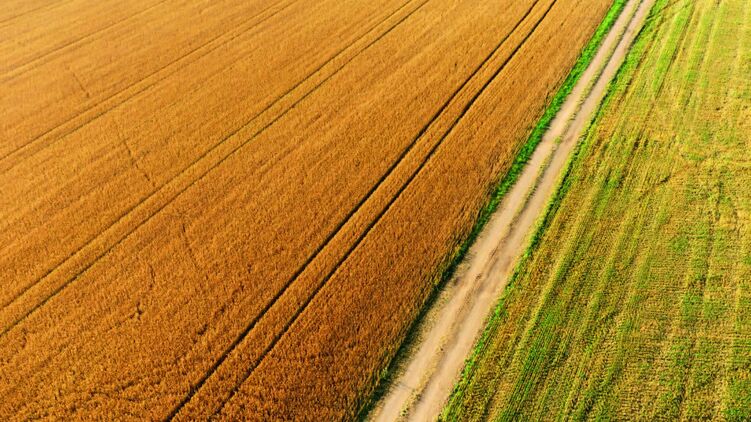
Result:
[[634, 302], [429, 372], [182, 214]]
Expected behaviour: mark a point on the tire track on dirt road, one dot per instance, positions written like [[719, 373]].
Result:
[[430, 371]]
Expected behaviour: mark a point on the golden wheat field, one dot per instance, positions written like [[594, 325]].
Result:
[[236, 210]]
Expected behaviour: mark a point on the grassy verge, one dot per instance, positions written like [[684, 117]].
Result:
[[457, 396], [500, 190]]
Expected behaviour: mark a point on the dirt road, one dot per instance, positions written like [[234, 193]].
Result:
[[449, 331]]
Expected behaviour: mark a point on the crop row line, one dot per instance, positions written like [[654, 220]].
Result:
[[203, 165], [27, 65], [22, 292], [232, 133], [393, 200], [141, 86], [243, 334], [7, 21]]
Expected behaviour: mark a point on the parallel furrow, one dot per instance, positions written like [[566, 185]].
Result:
[[208, 161], [337, 229], [8, 21], [29, 64], [388, 206], [100, 109]]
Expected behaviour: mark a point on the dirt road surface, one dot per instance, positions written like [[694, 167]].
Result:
[[452, 327]]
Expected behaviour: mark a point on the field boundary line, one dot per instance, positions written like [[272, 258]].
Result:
[[374, 222], [173, 188], [538, 232], [534, 322], [59, 132]]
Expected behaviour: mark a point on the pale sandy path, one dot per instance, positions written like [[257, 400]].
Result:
[[446, 336]]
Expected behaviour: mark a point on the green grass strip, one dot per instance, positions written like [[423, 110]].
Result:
[[501, 189], [456, 401]]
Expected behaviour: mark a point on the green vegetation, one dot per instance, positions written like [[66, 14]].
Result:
[[634, 298]]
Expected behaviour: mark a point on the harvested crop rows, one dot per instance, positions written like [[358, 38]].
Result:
[[635, 299], [238, 208]]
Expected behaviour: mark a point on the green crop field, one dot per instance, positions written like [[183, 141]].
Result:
[[634, 298]]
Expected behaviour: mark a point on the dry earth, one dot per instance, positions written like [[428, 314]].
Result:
[[430, 371]]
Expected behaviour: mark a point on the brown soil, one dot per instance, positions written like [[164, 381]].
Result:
[[236, 208]]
